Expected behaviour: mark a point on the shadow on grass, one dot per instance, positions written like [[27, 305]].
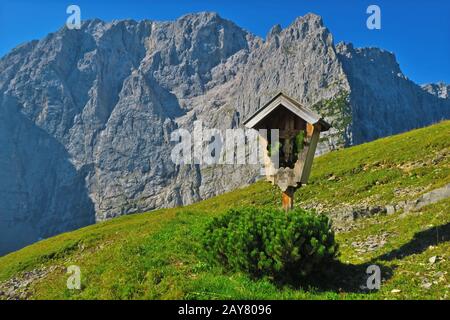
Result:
[[420, 242], [349, 278], [339, 277]]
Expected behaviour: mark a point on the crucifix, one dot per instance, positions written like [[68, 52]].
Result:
[[288, 157]]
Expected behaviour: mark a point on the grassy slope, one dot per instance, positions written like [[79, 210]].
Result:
[[157, 254]]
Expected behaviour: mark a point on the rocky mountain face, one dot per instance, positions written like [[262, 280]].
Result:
[[86, 115], [439, 89], [383, 100]]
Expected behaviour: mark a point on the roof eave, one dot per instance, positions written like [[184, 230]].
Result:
[[301, 111], [324, 126]]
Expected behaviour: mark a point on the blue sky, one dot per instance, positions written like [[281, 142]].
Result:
[[418, 32]]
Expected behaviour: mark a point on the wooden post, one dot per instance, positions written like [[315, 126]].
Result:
[[287, 199]]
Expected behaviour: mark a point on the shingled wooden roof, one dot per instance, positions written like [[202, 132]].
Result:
[[295, 107]]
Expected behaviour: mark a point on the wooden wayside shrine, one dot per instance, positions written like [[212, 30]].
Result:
[[288, 159]]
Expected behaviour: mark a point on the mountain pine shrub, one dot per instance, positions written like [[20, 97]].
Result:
[[266, 242]]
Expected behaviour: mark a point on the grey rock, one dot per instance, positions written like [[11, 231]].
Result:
[[440, 89], [426, 285], [86, 115], [432, 197], [344, 216], [390, 209], [384, 101], [372, 243], [18, 287], [425, 199], [433, 259]]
